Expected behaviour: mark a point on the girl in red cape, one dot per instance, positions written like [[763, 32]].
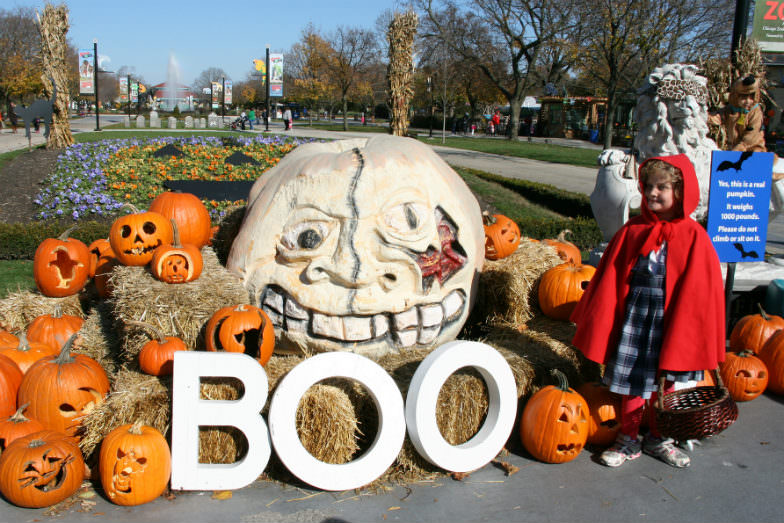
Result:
[[655, 306]]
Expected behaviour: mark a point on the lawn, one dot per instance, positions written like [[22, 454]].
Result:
[[15, 275]]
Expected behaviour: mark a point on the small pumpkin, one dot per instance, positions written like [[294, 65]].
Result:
[[772, 354], [97, 248], [561, 288], [106, 263], [40, 469], [176, 263], [10, 379], [54, 329], [157, 355], [134, 464], [28, 352], [604, 406], [502, 236], [554, 426], [16, 426], [8, 340], [744, 374], [134, 237], [190, 214], [241, 328], [566, 250], [61, 390], [61, 265], [753, 330]]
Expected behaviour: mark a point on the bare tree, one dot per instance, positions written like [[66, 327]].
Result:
[[206, 77], [20, 50], [503, 38]]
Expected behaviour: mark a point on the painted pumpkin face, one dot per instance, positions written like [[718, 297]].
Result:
[[135, 237], [362, 245]]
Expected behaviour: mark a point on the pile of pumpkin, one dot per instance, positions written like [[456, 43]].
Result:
[[45, 389]]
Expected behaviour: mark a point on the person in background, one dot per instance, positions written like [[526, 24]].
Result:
[[287, 119], [251, 117], [12, 116]]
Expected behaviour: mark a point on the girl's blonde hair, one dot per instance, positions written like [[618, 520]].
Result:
[[674, 175]]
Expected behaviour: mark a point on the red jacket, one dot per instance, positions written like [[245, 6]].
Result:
[[694, 328]]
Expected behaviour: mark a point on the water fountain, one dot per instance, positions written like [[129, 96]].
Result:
[[172, 83]]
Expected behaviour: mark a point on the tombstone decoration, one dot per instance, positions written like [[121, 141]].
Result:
[[41, 109], [240, 158], [140, 122], [366, 245], [167, 151], [189, 122], [172, 122]]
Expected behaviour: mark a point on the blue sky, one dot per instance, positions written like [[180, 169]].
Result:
[[229, 34]]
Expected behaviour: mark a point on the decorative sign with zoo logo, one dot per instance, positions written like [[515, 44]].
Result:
[[739, 202], [768, 28]]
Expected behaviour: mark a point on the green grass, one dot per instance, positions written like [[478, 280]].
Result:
[[337, 125], [114, 135], [15, 275], [522, 149]]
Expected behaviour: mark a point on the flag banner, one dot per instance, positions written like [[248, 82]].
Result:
[[276, 74], [86, 71]]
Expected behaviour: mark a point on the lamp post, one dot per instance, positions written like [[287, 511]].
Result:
[[267, 81], [430, 90], [223, 100], [95, 81]]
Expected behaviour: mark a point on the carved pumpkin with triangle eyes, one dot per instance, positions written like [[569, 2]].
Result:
[[134, 464], [61, 266], [554, 427], [134, 237], [40, 469]]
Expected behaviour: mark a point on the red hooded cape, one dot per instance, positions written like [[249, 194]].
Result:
[[694, 328]]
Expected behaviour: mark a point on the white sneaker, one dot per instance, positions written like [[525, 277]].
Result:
[[624, 449], [665, 450]]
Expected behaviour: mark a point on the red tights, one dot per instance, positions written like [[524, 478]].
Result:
[[633, 409]]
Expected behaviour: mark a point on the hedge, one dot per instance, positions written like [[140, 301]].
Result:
[[18, 241]]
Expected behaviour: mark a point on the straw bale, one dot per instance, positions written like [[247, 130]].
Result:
[[20, 308], [327, 423], [180, 310], [507, 288], [228, 229], [98, 338]]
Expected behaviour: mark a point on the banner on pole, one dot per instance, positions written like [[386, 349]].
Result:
[[276, 74], [134, 92], [227, 99], [124, 89], [86, 71], [217, 93]]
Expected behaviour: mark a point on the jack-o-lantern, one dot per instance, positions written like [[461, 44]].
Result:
[[502, 236], [176, 263], [40, 469], [134, 464], [554, 427], [63, 389], [61, 266], [367, 245], [744, 374], [54, 329], [97, 248], [772, 354], [28, 352], [190, 214], [566, 250], [241, 328], [10, 379], [157, 355], [16, 426], [753, 330], [134, 237], [561, 288], [604, 406]]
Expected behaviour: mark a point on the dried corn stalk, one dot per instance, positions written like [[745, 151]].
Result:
[[401, 67], [53, 27]]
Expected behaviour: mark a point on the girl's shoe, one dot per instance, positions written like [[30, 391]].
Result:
[[665, 450], [624, 449]]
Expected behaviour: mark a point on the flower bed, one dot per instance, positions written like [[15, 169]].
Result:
[[95, 179]]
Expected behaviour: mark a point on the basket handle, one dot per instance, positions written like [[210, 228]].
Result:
[[660, 395]]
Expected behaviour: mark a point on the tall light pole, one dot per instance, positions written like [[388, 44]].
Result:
[[430, 90], [95, 82], [267, 81]]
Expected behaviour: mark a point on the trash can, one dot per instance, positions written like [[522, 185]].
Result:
[[593, 135]]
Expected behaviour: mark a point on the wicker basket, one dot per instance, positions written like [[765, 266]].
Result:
[[695, 413]]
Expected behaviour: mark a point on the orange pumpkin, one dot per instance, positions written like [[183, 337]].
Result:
[[176, 263], [28, 352], [192, 217], [97, 248], [134, 464], [561, 288], [8, 340], [752, 331], [106, 263], [744, 374], [40, 469], [554, 426], [134, 237], [62, 390], [605, 413], [157, 355], [61, 266], [16, 426], [502, 236], [54, 329], [567, 251], [772, 354], [10, 379], [241, 328]]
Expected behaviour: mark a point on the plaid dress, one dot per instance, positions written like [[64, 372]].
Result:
[[633, 369]]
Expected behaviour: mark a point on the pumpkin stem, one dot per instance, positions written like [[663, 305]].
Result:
[[65, 353], [24, 343], [19, 416], [136, 428], [66, 233], [745, 353], [763, 313], [487, 218], [562, 235], [563, 383], [156, 332], [58, 311], [176, 234], [132, 207]]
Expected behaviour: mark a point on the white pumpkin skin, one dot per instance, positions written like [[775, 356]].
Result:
[[349, 245]]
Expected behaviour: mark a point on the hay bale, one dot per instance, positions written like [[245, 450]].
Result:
[[506, 293], [20, 308], [327, 423], [98, 338], [179, 310]]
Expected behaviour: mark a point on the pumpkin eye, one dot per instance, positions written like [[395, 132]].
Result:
[[743, 373], [126, 231], [406, 218], [149, 228], [306, 235]]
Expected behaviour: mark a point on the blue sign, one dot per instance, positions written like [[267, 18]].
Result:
[[739, 202]]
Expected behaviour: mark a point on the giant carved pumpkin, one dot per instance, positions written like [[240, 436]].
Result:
[[177, 262], [604, 406], [561, 288], [554, 427], [62, 390], [753, 330], [54, 329], [367, 245], [241, 328], [744, 374], [134, 237], [190, 214], [40, 469], [10, 379], [61, 266], [502, 236]]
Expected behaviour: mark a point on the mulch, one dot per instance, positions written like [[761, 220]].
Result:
[[20, 182]]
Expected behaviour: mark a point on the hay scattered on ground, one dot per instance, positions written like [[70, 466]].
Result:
[[20, 308]]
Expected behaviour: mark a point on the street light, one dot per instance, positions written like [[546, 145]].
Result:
[[430, 90], [95, 81]]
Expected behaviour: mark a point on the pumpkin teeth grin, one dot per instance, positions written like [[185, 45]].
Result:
[[138, 251], [420, 324], [570, 449]]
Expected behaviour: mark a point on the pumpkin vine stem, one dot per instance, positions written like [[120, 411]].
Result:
[[745, 353], [19, 416], [763, 313], [65, 353], [562, 235], [24, 343], [156, 332], [487, 218], [136, 428], [563, 383], [66, 233], [132, 207]]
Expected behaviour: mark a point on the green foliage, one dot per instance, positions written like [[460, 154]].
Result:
[[15, 275], [18, 241]]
